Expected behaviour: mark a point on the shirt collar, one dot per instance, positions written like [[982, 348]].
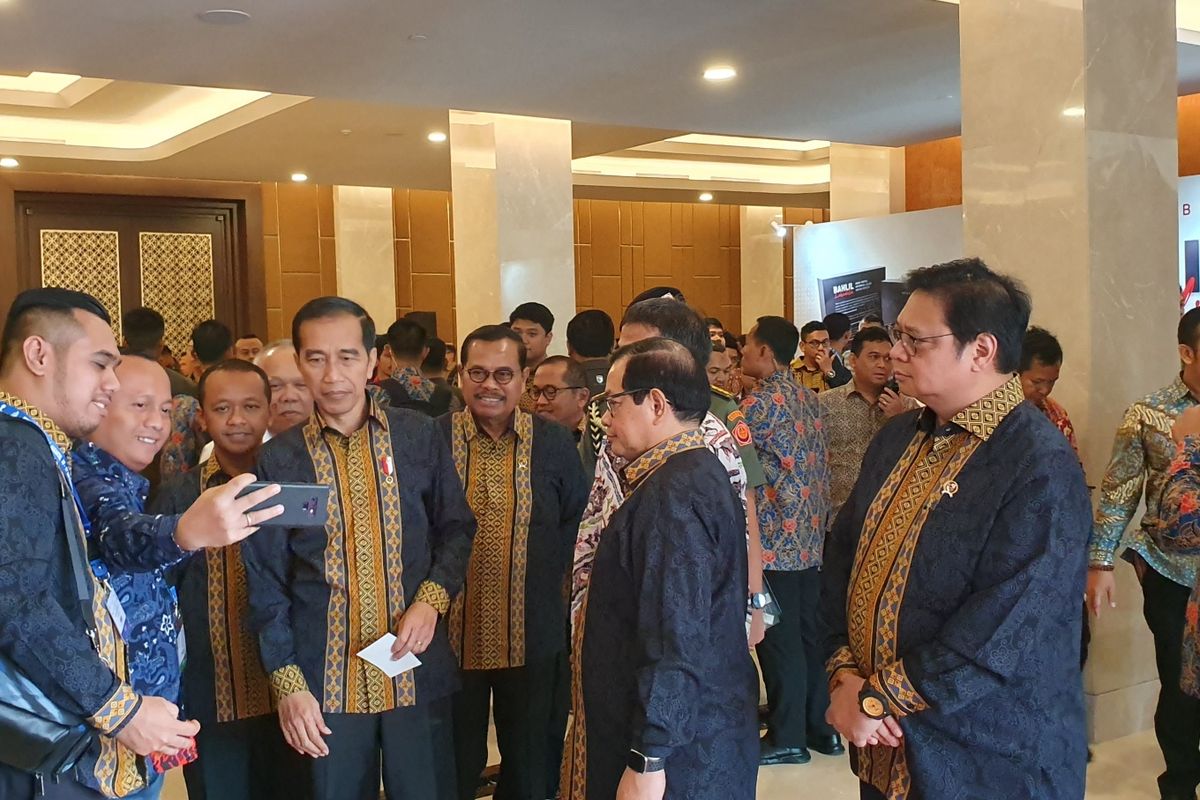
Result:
[[641, 467], [778, 376], [48, 426], [471, 426], [404, 371], [984, 416], [375, 414], [1179, 389]]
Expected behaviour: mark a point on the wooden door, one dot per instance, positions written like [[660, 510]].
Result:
[[180, 257]]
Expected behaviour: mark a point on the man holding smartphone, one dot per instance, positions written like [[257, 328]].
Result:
[[393, 551], [854, 413]]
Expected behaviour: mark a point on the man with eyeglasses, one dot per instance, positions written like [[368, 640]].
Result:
[[559, 388], [952, 574], [525, 484], [815, 369]]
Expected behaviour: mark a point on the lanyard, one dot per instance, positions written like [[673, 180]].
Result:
[[60, 458]]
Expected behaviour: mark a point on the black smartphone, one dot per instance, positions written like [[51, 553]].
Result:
[[305, 505], [895, 387]]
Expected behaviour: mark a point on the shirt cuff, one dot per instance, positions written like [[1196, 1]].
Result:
[[893, 683], [287, 681], [435, 595], [839, 664], [117, 711]]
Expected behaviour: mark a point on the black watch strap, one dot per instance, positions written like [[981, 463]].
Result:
[[872, 703], [640, 762]]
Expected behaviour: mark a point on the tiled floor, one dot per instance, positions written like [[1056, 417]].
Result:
[[1124, 769]]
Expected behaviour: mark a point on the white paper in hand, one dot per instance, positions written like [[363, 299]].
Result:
[[379, 655]]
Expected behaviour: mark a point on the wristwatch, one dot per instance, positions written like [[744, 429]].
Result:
[[642, 763], [759, 600], [872, 703]]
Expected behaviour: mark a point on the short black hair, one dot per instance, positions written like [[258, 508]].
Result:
[[659, 292], [838, 324], [435, 359], [812, 327], [381, 340], [143, 329], [211, 341], [575, 375], [406, 338], [590, 333], [1189, 328], [533, 312], [232, 365], [1042, 345], [875, 318], [868, 335], [494, 333], [718, 346], [47, 312], [332, 306], [779, 335], [664, 364], [732, 342], [978, 300], [673, 320], [249, 336], [713, 322]]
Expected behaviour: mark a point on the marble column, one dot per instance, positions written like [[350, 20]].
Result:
[[511, 181], [1069, 183], [865, 181], [366, 267], [762, 263]]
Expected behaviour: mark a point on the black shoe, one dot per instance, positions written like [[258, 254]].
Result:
[[770, 755], [827, 745], [1179, 795]]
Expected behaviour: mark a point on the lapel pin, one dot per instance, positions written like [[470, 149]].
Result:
[[949, 489]]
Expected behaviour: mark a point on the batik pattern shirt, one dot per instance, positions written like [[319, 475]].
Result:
[[527, 491], [224, 678], [793, 507], [134, 550], [1142, 455], [1058, 415], [43, 631], [399, 531], [851, 422], [186, 440], [415, 384], [1178, 533], [812, 379], [951, 583]]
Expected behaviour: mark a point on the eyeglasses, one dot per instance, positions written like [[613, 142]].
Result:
[[502, 376], [911, 343], [613, 407], [550, 392], [817, 343]]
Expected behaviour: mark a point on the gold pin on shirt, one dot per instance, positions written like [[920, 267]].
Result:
[[949, 489]]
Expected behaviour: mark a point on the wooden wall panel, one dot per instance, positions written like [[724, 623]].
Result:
[[424, 250], [933, 174], [300, 250], [1189, 135]]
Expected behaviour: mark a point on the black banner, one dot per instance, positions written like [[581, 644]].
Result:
[[856, 295]]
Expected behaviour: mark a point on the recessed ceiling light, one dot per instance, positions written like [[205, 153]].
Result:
[[1073, 111], [436, 137], [299, 177], [9, 162], [417, 37], [721, 72], [223, 16], [346, 131], [706, 197]]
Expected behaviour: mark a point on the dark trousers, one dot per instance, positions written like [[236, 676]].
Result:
[[520, 698], [17, 785], [868, 792], [412, 747], [1177, 717], [560, 712], [246, 759], [792, 667]]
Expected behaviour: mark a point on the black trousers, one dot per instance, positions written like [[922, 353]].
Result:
[[560, 712], [412, 747], [247, 759], [521, 698], [792, 667], [1177, 717]]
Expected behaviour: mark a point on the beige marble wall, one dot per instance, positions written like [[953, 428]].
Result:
[[865, 181], [1069, 183], [365, 262], [513, 223], [762, 263]]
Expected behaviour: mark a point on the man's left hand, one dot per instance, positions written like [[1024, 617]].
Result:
[[890, 403], [639, 786], [416, 630]]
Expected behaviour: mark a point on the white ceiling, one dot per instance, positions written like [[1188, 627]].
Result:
[[876, 71]]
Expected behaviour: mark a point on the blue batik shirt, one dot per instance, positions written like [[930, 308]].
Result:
[[133, 550]]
